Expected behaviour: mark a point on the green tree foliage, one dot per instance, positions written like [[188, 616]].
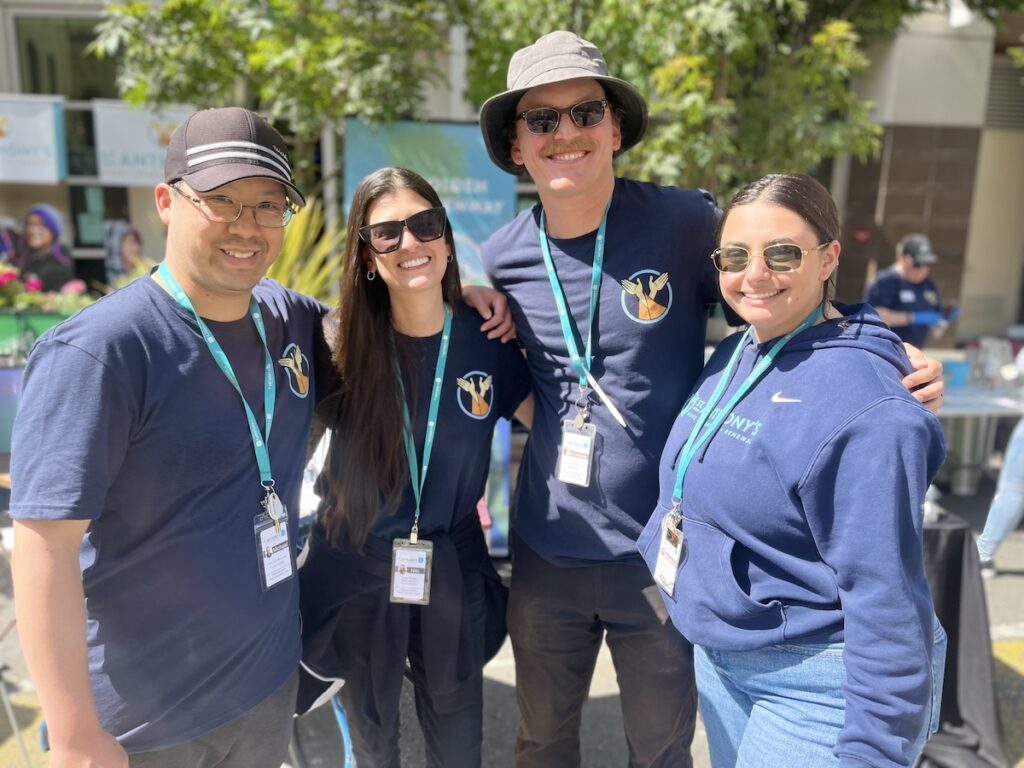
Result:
[[302, 62], [736, 88]]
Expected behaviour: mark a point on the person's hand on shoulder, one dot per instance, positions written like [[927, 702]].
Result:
[[493, 307], [925, 382]]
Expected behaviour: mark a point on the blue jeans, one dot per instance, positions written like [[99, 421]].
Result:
[[1007, 508], [784, 705]]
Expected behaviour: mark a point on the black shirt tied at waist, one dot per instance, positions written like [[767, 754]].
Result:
[[330, 579]]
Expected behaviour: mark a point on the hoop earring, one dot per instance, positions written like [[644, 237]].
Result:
[[451, 257], [371, 275]]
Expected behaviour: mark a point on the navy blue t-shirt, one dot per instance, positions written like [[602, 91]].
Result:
[[891, 291], [648, 342], [483, 380], [127, 421]]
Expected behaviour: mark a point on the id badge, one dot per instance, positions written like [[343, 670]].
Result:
[[576, 453], [273, 550], [670, 552], [410, 571]]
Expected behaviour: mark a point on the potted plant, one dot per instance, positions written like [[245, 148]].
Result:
[[26, 310]]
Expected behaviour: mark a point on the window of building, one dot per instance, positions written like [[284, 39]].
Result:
[[52, 58]]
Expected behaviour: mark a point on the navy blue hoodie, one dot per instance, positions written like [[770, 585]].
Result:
[[803, 520]]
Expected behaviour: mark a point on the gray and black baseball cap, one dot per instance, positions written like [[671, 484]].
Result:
[[918, 248], [215, 147]]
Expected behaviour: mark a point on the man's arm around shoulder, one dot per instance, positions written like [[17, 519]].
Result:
[[50, 609]]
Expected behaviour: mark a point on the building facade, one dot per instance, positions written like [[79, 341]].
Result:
[[951, 106]]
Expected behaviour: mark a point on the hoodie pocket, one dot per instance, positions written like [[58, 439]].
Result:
[[730, 617]]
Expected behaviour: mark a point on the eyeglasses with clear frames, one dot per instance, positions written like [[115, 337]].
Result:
[[225, 210]]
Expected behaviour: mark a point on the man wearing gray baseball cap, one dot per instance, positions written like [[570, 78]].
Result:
[[610, 282], [154, 500], [905, 296]]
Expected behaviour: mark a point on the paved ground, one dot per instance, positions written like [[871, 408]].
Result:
[[317, 735]]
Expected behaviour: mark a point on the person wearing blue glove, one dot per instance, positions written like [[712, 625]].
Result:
[[905, 296]]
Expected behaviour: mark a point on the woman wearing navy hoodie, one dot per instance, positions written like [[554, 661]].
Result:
[[787, 538]]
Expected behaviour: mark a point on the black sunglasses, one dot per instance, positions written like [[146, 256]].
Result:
[[784, 257], [386, 236], [586, 114]]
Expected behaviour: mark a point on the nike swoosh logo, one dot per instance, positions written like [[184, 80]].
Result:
[[778, 398]]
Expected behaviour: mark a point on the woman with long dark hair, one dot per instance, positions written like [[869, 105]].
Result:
[[398, 571], [787, 538]]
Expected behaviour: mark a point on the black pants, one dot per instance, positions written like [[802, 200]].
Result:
[[556, 619], [452, 739], [260, 737]]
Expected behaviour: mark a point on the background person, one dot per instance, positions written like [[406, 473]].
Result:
[[799, 578], [8, 237], [1007, 508], [905, 296], [629, 261], [39, 252], [132, 258], [405, 346]]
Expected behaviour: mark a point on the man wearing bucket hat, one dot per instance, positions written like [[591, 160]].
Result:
[[905, 296], [162, 487], [629, 262], [610, 283]]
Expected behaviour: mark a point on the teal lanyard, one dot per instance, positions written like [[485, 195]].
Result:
[[259, 441], [581, 365], [697, 438], [418, 478]]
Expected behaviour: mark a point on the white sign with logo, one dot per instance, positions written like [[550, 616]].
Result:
[[32, 139], [131, 142]]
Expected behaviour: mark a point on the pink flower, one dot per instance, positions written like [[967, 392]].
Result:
[[33, 284], [7, 275], [77, 287]]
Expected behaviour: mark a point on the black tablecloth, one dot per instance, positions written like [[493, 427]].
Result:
[[970, 735]]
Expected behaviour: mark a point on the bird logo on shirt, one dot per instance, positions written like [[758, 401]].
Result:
[[297, 367], [477, 384], [647, 285]]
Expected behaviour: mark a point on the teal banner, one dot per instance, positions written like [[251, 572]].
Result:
[[478, 196]]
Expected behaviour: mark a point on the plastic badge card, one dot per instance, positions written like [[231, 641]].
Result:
[[410, 571], [670, 550], [576, 453], [274, 551]]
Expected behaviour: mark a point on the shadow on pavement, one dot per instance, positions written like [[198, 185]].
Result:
[[319, 743]]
